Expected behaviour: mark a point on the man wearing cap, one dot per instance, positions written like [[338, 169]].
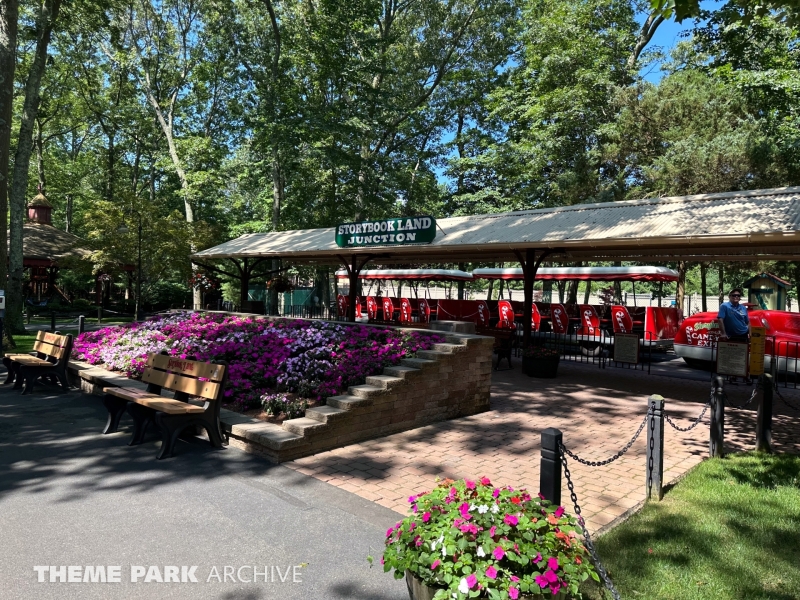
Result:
[[734, 323]]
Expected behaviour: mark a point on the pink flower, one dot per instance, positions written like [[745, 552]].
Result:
[[485, 481], [559, 512], [491, 572], [469, 528], [513, 593], [552, 563], [389, 532], [471, 580], [495, 493], [514, 578], [470, 484], [435, 564], [510, 520], [426, 516], [498, 553], [492, 529], [538, 557], [464, 509]]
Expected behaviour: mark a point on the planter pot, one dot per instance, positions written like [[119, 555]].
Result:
[[540, 367], [419, 591]]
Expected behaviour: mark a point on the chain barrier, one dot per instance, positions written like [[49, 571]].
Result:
[[696, 422], [601, 463], [587, 538], [784, 400], [752, 396]]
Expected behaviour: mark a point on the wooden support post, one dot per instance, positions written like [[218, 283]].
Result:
[[654, 487], [351, 304], [764, 421], [243, 297], [716, 443], [550, 467]]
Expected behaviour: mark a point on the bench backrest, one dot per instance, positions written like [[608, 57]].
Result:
[[54, 345], [388, 309], [191, 377], [559, 318]]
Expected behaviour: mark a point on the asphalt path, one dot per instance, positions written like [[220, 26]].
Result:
[[72, 497]]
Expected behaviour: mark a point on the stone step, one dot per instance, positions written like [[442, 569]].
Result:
[[325, 414], [432, 354], [447, 348], [304, 426], [365, 391], [384, 381], [267, 434], [401, 371], [416, 363], [347, 402]]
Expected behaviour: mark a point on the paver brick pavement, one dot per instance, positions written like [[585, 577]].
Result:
[[598, 411]]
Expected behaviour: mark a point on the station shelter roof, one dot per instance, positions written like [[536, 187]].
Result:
[[731, 226]]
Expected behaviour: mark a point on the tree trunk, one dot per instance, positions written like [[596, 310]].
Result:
[[680, 288], [703, 303], [461, 284], [8, 61], [22, 160]]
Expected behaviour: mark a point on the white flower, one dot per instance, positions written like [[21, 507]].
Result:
[[433, 545], [495, 508], [444, 551], [482, 509], [463, 587], [480, 552], [472, 507]]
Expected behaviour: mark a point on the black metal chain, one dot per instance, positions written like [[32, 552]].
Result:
[[785, 401], [601, 463], [587, 538], [752, 396], [696, 422]]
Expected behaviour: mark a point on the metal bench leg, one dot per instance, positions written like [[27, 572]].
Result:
[[142, 418], [213, 430], [10, 372], [28, 376], [171, 427], [116, 408]]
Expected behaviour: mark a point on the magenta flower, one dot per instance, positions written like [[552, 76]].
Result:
[[491, 572], [464, 510], [510, 520], [485, 481], [471, 580], [435, 564], [470, 484], [513, 593], [498, 553], [559, 511], [426, 516], [492, 529], [552, 563]]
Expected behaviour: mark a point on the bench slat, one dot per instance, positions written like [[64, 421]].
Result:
[[32, 360], [179, 383], [193, 368], [159, 403]]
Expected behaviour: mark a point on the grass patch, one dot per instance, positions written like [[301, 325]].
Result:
[[24, 344], [729, 530]]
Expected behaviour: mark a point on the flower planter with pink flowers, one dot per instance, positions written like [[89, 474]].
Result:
[[470, 539]]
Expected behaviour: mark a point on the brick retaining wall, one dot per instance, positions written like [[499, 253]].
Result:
[[451, 380]]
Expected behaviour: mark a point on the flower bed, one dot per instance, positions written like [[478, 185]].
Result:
[[313, 359]]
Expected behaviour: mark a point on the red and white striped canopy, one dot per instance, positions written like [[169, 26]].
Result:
[[584, 274], [411, 274]]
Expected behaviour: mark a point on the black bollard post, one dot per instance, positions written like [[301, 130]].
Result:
[[52, 320], [81, 324], [655, 448], [550, 467], [100, 313], [716, 442], [764, 421]]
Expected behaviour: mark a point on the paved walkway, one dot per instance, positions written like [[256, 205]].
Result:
[[597, 411], [70, 496]]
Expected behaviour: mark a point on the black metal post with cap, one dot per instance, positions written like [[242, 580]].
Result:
[[123, 229]]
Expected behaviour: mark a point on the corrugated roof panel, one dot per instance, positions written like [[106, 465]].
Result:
[[711, 216]]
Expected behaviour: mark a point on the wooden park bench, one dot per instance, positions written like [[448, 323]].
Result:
[[197, 388], [49, 359]]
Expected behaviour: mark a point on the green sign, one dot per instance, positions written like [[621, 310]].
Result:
[[389, 232]]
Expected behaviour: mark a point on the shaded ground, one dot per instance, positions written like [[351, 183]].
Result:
[[597, 410], [71, 496]]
